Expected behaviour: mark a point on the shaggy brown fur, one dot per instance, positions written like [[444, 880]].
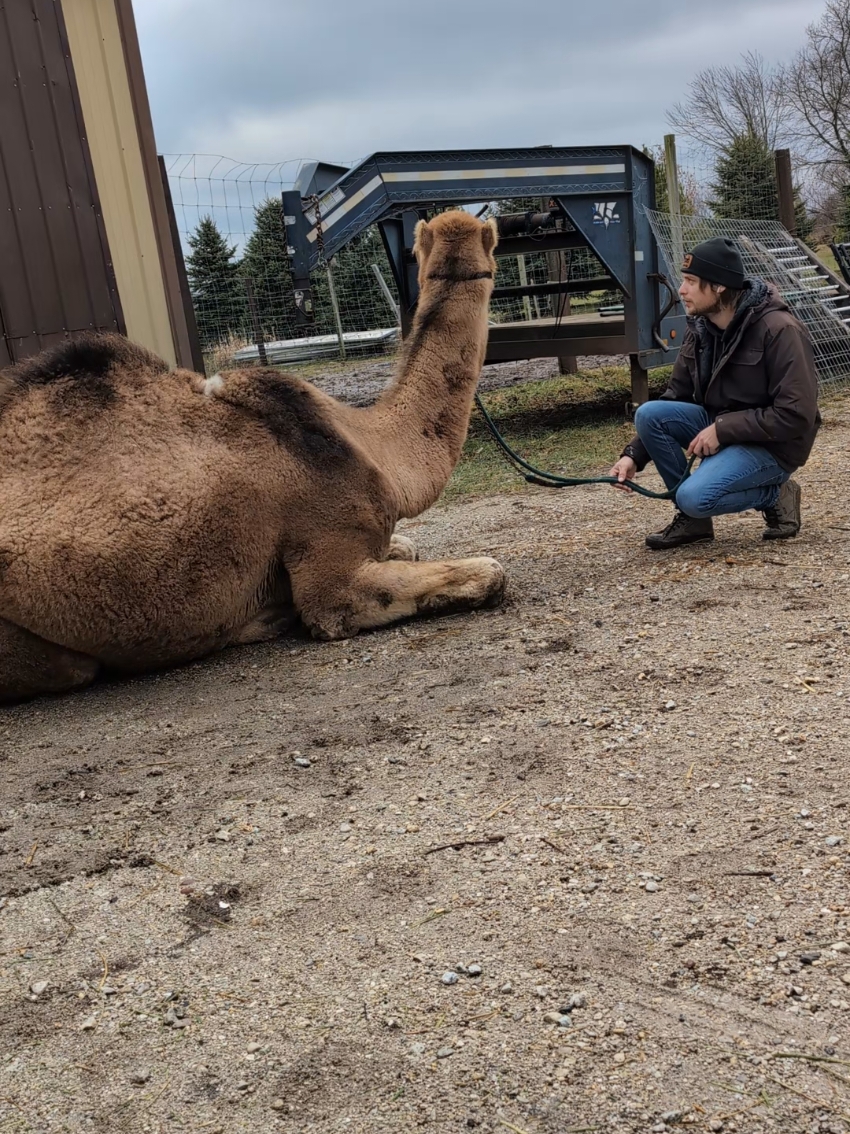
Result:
[[149, 517]]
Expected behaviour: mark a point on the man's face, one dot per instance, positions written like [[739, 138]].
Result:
[[698, 297]]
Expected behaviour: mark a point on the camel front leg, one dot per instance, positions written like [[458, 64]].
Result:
[[376, 594]]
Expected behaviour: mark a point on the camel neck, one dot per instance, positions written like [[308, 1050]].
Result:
[[424, 415]]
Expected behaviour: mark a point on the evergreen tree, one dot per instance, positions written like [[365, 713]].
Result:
[[745, 186], [215, 283], [266, 262], [805, 221]]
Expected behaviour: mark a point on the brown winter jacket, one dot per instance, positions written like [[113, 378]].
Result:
[[756, 380]]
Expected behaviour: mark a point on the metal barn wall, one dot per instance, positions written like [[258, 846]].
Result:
[[55, 272], [94, 34]]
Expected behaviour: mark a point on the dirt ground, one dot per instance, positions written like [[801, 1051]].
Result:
[[229, 904], [363, 380]]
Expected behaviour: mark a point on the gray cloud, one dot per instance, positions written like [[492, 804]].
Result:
[[269, 81]]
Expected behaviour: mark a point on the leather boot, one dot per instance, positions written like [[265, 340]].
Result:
[[783, 519], [680, 531]]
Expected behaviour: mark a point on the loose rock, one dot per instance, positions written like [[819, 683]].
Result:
[[449, 978]]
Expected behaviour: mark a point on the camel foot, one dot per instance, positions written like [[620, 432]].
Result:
[[402, 548], [381, 593], [31, 666], [269, 624]]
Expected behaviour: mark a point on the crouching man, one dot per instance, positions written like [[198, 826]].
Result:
[[742, 396]]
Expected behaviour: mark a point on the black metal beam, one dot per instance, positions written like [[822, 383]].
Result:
[[601, 283], [547, 341], [545, 242]]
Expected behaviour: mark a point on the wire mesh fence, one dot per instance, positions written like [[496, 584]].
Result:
[[817, 296], [230, 220]]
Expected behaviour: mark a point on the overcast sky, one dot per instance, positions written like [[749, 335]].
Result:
[[274, 80]]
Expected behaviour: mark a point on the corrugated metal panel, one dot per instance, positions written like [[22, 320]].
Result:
[[97, 50], [56, 278]]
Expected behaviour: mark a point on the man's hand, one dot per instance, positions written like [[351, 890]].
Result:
[[624, 471], [705, 444]]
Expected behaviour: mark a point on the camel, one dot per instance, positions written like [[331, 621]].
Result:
[[149, 517]]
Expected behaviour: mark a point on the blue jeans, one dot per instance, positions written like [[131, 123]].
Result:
[[735, 479]]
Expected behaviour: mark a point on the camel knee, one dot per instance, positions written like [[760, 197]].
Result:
[[466, 584]]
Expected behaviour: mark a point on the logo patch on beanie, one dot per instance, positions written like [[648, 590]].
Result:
[[688, 260]]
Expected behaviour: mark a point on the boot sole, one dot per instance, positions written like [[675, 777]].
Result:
[[679, 543]]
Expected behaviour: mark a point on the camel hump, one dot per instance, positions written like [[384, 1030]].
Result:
[[88, 357]]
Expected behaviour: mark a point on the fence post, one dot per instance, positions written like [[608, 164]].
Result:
[[335, 306], [671, 169], [523, 279], [255, 322], [387, 294], [785, 190]]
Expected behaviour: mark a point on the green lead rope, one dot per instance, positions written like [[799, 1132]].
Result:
[[552, 480]]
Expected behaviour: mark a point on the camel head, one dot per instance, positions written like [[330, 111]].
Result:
[[455, 246]]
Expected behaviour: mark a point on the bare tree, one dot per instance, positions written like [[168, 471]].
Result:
[[819, 87], [728, 103]]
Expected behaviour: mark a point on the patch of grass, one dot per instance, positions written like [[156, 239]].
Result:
[[574, 425]]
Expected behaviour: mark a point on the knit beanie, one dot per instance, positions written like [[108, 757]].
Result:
[[716, 261]]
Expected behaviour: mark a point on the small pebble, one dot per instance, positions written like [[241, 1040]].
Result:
[[651, 887], [252, 1047], [474, 971], [841, 947], [834, 841], [278, 1104], [809, 958], [223, 836], [38, 987], [506, 988], [445, 1052], [578, 1000], [555, 1018], [140, 1077], [619, 1057], [302, 762], [845, 978], [716, 1125], [91, 1022], [450, 978]]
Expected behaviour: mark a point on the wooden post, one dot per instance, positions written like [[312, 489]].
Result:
[[557, 262], [337, 316], [255, 322], [523, 279], [387, 294], [640, 382], [785, 190], [671, 169]]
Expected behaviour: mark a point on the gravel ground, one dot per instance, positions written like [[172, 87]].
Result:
[[361, 382], [230, 905]]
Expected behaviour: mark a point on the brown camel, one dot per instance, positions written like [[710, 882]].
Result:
[[149, 517]]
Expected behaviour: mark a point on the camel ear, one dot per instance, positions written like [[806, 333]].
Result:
[[490, 235], [423, 240]]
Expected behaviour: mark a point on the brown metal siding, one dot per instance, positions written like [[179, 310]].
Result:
[[55, 273]]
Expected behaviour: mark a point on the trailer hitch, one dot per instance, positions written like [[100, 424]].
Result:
[[659, 277]]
